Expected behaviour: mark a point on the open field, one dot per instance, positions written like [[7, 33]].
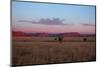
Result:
[[45, 50]]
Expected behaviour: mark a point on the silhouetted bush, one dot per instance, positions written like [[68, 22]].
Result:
[[60, 38], [84, 39]]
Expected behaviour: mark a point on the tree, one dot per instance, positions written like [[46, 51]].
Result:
[[84, 39], [60, 38]]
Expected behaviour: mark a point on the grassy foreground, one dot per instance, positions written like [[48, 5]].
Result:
[[45, 50]]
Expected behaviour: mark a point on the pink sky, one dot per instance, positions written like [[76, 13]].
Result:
[[56, 28], [29, 27]]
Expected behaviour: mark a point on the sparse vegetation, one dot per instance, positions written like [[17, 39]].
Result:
[[37, 50]]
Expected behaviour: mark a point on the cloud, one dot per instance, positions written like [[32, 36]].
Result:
[[54, 21], [88, 24]]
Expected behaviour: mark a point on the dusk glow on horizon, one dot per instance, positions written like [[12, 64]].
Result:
[[52, 18]]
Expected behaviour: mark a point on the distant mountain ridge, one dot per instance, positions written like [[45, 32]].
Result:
[[43, 34]]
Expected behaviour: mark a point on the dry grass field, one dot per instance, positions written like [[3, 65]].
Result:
[[46, 50]]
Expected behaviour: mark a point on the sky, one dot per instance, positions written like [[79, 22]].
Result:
[[53, 18]]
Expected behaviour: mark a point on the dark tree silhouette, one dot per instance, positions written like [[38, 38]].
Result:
[[84, 39], [60, 38]]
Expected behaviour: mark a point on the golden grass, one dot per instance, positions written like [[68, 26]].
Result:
[[36, 50]]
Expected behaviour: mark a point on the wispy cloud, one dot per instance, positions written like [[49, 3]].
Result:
[[88, 24], [54, 21]]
